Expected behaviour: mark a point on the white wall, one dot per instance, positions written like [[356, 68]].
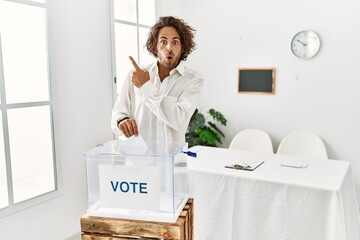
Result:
[[81, 81], [321, 94]]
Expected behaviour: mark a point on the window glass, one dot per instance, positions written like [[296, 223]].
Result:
[[30, 150], [132, 21], [27, 158], [24, 54], [125, 45], [147, 12], [3, 183], [145, 57], [125, 10]]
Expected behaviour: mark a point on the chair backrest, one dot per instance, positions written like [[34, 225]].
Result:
[[303, 143], [255, 140]]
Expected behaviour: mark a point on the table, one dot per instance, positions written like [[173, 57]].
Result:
[[272, 202]]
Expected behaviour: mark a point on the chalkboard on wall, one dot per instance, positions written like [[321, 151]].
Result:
[[257, 80]]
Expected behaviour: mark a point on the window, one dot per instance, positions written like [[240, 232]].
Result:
[[131, 21], [27, 158]]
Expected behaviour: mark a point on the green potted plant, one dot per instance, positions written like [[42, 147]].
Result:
[[205, 133]]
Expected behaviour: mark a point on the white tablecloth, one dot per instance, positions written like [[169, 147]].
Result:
[[272, 202]]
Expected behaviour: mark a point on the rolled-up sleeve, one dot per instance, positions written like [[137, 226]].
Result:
[[122, 107]]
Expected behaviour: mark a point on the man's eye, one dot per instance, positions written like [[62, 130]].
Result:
[[163, 42]]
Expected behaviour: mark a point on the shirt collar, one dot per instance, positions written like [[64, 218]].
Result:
[[180, 68]]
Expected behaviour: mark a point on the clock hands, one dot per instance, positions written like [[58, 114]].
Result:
[[304, 44]]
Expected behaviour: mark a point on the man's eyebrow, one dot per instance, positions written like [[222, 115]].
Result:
[[164, 37]]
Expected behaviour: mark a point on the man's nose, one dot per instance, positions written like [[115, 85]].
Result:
[[169, 47]]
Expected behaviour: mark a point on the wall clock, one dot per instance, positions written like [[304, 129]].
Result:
[[305, 44]]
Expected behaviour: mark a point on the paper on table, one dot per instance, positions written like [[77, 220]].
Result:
[[293, 163], [249, 165]]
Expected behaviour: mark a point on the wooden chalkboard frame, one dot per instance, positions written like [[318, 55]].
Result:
[[256, 80]]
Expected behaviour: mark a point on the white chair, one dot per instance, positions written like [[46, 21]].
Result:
[[303, 143], [255, 140]]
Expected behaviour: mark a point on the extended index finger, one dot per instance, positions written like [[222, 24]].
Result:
[[134, 63]]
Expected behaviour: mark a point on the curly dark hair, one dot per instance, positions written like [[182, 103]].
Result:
[[185, 32]]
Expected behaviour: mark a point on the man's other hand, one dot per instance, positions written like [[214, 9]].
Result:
[[128, 127]]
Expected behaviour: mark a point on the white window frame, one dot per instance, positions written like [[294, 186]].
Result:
[[115, 80], [15, 207]]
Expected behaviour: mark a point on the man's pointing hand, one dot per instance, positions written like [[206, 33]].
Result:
[[139, 76]]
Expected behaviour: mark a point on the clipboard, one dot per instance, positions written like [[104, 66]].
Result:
[[246, 166]]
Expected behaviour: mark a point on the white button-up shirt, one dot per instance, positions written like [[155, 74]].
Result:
[[162, 110]]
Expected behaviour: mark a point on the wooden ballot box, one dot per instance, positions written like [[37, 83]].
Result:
[[100, 228]]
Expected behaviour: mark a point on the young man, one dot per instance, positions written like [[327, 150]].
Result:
[[157, 101]]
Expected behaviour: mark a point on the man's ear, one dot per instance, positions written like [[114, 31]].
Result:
[[155, 51]]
